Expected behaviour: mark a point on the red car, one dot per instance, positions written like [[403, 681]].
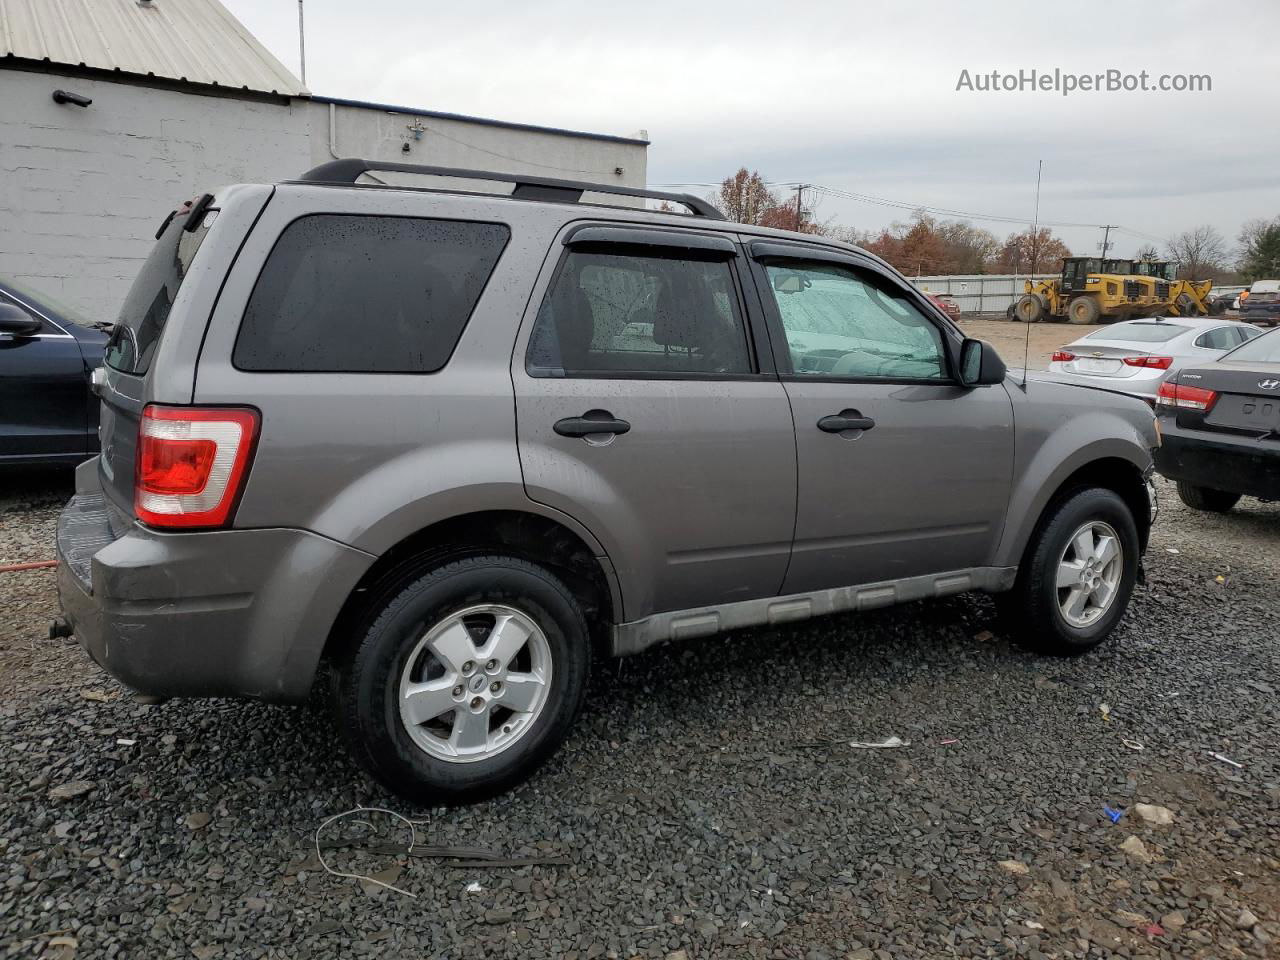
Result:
[[945, 304]]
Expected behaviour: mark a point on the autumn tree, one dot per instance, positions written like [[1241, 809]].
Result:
[[745, 197], [1031, 251], [1200, 253], [969, 249]]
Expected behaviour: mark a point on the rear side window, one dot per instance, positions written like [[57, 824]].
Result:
[[146, 309], [364, 294], [624, 314], [1223, 338]]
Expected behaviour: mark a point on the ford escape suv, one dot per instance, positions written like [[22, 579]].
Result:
[[456, 443]]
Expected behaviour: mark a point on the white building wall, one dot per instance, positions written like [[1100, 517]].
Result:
[[83, 190], [380, 134]]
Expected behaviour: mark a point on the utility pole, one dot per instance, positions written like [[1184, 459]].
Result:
[[302, 46], [800, 189], [1106, 237]]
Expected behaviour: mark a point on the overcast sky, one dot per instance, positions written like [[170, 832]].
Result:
[[859, 97]]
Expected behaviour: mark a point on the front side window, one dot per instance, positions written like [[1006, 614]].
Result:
[[614, 312], [366, 294], [840, 324]]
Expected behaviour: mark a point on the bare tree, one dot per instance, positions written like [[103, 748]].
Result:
[[1199, 252], [1149, 252]]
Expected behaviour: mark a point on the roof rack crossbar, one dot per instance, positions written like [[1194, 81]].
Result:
[[350, 169]]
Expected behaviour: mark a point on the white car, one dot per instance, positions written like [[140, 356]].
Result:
[[1135, 356]]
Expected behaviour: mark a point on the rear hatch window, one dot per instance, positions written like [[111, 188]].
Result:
[[146, 309], [1138, 332]]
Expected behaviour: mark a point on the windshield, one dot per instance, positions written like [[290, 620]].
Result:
[[41, 302], [1138, 332], [146, 308], [1263, 349]]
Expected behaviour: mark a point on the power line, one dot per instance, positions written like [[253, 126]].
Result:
[[927, 208], [944, 211]]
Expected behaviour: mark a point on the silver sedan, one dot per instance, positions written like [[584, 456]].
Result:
[[1135, 356]]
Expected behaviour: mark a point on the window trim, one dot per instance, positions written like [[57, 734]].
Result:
[[593, 234], [761, 362], [462, 331], [1212, 330], [951, 337]]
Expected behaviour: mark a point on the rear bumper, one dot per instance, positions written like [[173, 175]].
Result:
[[1144, 388], [1232, 464], [241, 613]]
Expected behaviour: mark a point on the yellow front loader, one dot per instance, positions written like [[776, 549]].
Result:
[[1092, 290]]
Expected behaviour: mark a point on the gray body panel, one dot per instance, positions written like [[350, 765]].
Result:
[[923, 491], [691, 515]]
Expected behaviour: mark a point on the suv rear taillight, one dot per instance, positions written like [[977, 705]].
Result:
[[191, 464], [1179, 396], [1157, 363]]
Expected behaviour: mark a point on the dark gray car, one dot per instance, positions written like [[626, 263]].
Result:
[[457, 443]]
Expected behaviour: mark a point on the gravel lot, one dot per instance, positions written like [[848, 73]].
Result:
[[697, 811]]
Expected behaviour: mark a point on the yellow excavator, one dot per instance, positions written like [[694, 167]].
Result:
[[1093, 290]]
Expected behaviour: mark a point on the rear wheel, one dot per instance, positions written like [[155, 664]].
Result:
[[1030, 308], [1083, 310], [465, 681], [1076, 577], [1186, 306], [1206, 498]]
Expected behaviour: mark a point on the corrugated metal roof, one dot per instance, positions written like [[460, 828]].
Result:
[[196, 41]]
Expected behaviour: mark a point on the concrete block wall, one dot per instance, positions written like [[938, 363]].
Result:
[[82, 190]]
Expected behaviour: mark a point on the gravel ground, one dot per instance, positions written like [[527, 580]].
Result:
[[698, 810]]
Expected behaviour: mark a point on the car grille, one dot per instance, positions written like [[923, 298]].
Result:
[[1132, 289], [1162, 291]]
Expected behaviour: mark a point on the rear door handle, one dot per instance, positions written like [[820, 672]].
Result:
[[845, 420], [593, 421]]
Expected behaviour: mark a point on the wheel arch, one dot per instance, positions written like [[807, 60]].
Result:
[[526, 535], [1104, 466]]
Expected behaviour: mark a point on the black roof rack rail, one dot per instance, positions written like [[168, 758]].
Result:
[[350, 169]]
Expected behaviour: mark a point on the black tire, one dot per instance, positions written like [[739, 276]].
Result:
[[1032, 611], [367, 677], [1083, 310], [1031, 308], [1206, 498], [1186, 306]]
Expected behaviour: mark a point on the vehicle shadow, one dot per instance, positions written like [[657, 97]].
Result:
[[27, 487]]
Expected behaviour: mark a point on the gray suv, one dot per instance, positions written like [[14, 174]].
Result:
[[457, 444]]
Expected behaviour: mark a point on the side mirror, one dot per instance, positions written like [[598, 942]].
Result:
[[17, 322], [980, 365]]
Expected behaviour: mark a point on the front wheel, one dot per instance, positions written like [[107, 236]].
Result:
[[465, 681], [1083, 310], [1076, 577], [1206, 498]]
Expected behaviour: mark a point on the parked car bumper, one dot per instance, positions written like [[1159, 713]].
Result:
[[1267, 317], [1236, 464], [240, 613], [1142, 387]]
